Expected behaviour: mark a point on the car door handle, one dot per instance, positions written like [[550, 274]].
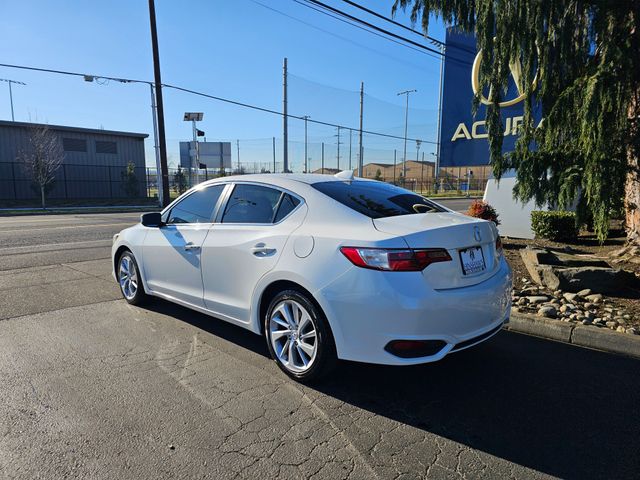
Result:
[[191, 246], [261, 250]]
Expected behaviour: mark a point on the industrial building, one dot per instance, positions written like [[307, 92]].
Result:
[[95, 162]]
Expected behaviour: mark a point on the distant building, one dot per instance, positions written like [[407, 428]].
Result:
[[93, 166]]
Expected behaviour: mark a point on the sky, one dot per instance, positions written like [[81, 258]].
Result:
[[227, 48]]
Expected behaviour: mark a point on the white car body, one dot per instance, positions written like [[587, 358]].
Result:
[[224, 270]]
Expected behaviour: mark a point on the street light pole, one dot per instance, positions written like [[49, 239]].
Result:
[[350, 138], [406, 124], [360, 149], [11, 93], [437, 165]]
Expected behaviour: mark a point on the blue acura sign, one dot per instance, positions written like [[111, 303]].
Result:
[[463, 136]]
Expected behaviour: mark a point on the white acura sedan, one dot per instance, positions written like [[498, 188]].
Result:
[[325, 267]]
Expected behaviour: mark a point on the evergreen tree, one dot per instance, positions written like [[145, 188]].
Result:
[[130, 180], [580, 60]]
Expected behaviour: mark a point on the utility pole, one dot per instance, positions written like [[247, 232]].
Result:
[[285, 127], [274, 154], [437, 165], [350, 137], [394, 166], [406, 124], [360, 147], [159, 106], [238, 150], [306, 164], [11, 93], [156, 147], [421, 173], [338, 155], [322, 169]]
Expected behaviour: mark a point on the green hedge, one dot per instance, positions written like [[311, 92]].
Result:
[[554, 225]]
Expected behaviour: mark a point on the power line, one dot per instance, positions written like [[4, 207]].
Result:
[[362, 28], [339, 36], [206, 95], [390, 20], [369, 25]]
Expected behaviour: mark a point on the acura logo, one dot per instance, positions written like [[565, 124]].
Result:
[[516, 73], [476, 234]]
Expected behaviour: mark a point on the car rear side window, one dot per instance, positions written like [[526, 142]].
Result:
[[287, 205], [377, 199], [251, 204], [197, 207]]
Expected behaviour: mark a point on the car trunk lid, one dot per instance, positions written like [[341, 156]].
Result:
[[459, 234]]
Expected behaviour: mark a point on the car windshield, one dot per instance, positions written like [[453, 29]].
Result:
[[377, 199]]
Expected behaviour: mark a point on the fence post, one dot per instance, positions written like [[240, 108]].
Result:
[[110, 186], [148, 186], [64, 173], [13, 179]]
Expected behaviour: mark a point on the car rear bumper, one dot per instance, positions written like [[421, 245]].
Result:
[[367, 309]]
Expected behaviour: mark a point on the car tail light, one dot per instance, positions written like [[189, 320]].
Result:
[[393, 259], [499, 245]]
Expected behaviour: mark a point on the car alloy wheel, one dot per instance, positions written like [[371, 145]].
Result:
[[293, 336], [128, 277]]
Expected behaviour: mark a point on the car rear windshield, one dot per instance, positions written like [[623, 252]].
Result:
[[377, 199]]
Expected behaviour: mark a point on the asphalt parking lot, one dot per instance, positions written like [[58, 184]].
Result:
[[95, 388]]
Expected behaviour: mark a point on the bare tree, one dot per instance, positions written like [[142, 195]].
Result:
[[42, 157]]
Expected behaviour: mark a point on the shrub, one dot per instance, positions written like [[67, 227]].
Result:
[[554, 225], [483, 210]]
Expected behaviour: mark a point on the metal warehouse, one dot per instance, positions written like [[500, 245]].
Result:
[[94, 165]]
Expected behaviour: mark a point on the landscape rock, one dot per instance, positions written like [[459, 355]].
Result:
[[584, 293], [594, 298], [569, 296], [547, 311], [572, 273], [537, 299]]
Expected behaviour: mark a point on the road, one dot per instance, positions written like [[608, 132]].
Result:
[[95, 388], [456, 204]]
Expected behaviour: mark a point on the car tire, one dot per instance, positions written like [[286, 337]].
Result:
[[130, 280], [298, 337]]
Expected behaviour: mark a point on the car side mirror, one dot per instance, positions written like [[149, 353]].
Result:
[[152, 219]]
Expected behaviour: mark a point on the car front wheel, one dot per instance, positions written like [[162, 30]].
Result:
[[129, 279], [298, 337]]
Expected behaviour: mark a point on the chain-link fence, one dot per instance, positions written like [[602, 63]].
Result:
[[78, 184]]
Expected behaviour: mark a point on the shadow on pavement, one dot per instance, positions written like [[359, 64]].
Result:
[[556, 408]]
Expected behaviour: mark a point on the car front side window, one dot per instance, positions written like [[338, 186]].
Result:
[[197, 207]]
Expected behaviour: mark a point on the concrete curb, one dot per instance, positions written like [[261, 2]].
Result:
[[598, 338]]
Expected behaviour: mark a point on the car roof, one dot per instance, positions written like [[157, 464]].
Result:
[[283, 179]]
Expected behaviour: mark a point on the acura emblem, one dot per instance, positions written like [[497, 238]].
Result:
[[476, 234], [515, 68]]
